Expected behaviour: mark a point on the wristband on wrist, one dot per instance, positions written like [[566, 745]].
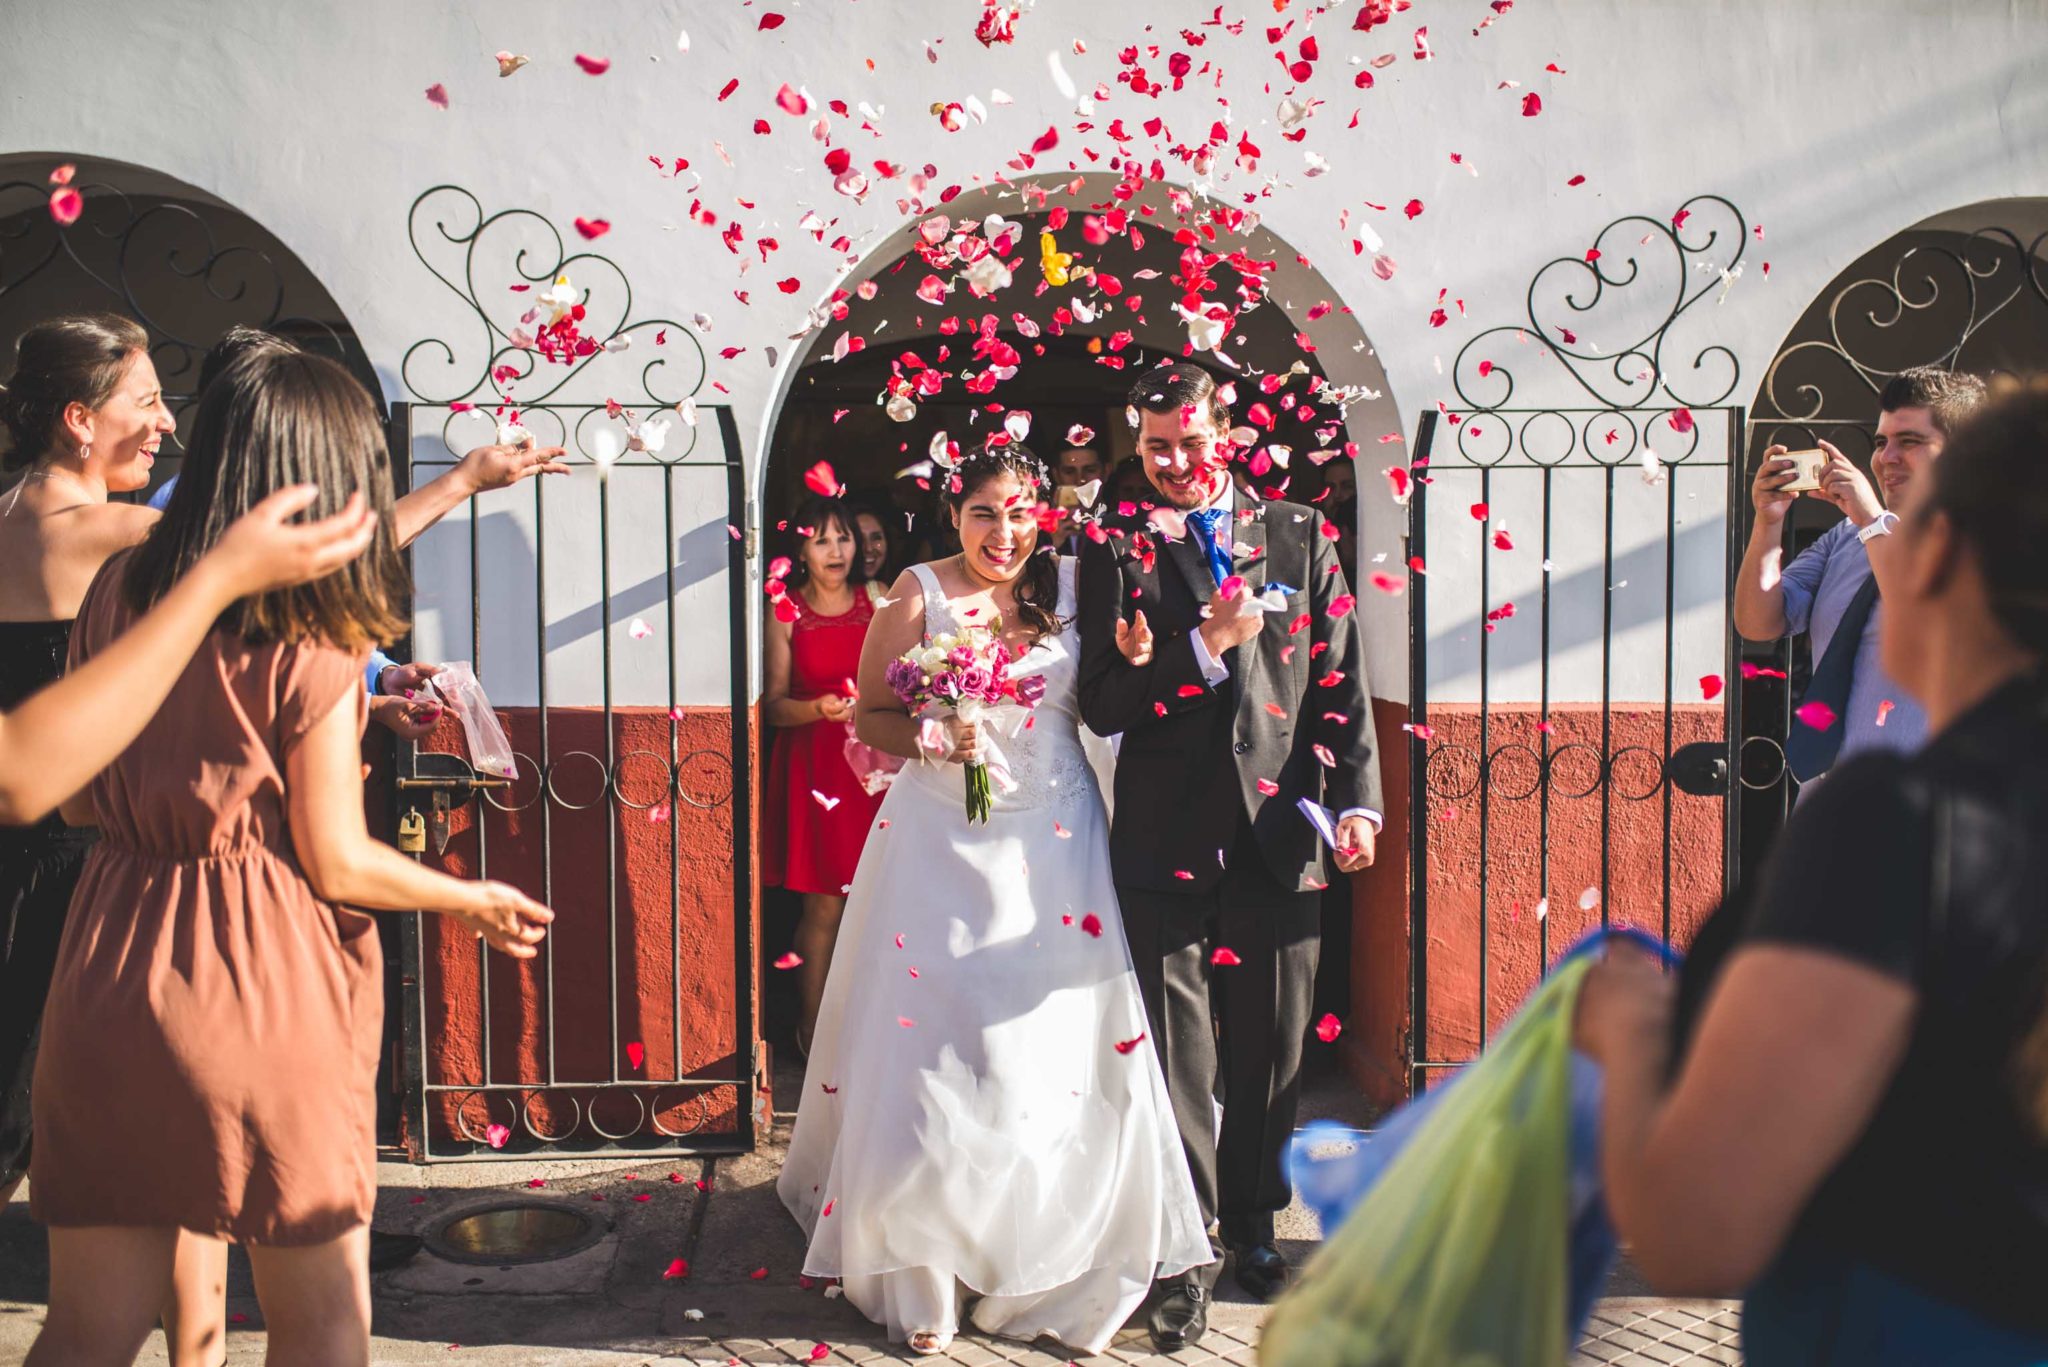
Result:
[[1881, 525]]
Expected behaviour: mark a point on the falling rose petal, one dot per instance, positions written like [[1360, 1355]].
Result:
[[791, 101], [66, 204], [1341, 605], [638, 629], [1532, 105], [593, 228], [1884, 709], [789, 960], [820, 1351], [1680, 420], [1091, 924], [1225, 957], [1543, 909], [595, 66], [636, 1054], [1328, 1028], [822, 480], [1413, 209], [1269, 788], [497, 1135], [1815, 714], [905, 1021], [677, 1270], [1061, 831], [1589, 899], [1324, 757], [1386, 583], [437, 95], [828, 803], [63, 174], [509, 62], [769, 21], [1479, 511], [1710, 686], [759, 1274]]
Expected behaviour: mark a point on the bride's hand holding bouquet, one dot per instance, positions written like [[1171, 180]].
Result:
[[952, 683]]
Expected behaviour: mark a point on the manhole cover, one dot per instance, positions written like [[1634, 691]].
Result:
[[515, 1232]]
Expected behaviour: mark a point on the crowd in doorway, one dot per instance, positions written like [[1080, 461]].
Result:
[[823, 788]]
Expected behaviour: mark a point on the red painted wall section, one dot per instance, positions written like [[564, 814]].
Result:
[[1374, 1045], [1501, 911], [652, 884]]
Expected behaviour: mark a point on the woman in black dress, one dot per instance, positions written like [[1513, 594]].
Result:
[[1841, 1108], [86, 415]]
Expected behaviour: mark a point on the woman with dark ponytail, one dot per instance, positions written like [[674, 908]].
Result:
[[1842, 1109]]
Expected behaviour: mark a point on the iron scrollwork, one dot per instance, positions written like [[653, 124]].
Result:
[[164, 262], [1934, 300], [1593, 287], [497, 264]]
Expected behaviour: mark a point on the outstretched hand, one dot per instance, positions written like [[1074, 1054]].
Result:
[[499, 466], [1134, 639]]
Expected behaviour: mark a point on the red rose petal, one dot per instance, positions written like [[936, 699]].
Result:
[[1092, 924], [770, 20], [1328, 1028], [1225, 957], [1532, 105], [593, 228], [1125, 1046], [636, 1054], [822, 480], [596, 66], [437, 95], [66, 204], [1710, 686]]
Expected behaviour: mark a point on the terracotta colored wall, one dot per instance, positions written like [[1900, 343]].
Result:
[[676, 980], [1516, 846], [1516, 839]]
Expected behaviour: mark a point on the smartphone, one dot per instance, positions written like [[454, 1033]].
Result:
[[1807, 466], [1067, 496]]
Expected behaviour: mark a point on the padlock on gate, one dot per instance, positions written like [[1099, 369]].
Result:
[[412, 832]]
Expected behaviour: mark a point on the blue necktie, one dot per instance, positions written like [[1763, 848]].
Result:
[[1207, 520]]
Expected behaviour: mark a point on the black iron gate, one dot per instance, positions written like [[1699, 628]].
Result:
[[1578, 697], [598, 609]]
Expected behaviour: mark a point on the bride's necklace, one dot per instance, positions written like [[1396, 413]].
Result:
[[14, 495]]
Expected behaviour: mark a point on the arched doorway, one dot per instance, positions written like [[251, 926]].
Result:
[[1301, 351], [182, 262], [1964, 290]]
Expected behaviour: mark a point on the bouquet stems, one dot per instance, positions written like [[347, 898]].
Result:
[[978, 796]]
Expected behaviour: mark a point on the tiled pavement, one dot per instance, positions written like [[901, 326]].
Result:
[[610, 1306]]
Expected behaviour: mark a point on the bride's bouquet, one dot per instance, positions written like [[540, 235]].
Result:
[[967, 673]]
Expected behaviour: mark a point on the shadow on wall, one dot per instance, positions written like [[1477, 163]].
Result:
[[1576, 614]]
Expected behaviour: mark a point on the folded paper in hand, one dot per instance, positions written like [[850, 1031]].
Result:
[[1319, 817]]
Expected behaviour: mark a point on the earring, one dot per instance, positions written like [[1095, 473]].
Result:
[[85, 451]]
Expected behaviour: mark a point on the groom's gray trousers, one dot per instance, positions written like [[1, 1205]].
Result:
[[1262, 1004]]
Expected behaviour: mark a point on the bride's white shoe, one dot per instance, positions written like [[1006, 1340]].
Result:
[[929, 1343]]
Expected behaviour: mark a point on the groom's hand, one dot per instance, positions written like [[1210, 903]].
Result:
[[1134, 639], [1231, 621], [1356, 844]]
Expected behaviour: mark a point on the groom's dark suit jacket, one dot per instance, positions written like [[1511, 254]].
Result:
[[1192, 757]]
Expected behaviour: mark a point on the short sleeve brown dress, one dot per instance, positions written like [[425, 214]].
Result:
[[209, 1049]]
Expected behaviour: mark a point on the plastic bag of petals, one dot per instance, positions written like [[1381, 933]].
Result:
[[490, 750]]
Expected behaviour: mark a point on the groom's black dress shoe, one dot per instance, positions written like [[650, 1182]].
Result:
[[1261, 1271], [1181, 1317]]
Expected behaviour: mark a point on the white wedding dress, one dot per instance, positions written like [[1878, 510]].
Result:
[[969, 1124]]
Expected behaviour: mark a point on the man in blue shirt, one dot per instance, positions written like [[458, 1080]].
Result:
[[1827, 592]]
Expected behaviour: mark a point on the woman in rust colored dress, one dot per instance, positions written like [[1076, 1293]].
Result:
[[816, 812], [208, 1051]]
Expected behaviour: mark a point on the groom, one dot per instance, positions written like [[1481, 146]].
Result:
[[1222, 730]]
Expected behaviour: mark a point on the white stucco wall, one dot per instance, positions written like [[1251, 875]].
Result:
[[1831, 125]]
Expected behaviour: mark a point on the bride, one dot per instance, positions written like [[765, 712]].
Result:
[[982, 1115]]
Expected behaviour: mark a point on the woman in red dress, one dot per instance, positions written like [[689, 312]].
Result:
[[817, 812]]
